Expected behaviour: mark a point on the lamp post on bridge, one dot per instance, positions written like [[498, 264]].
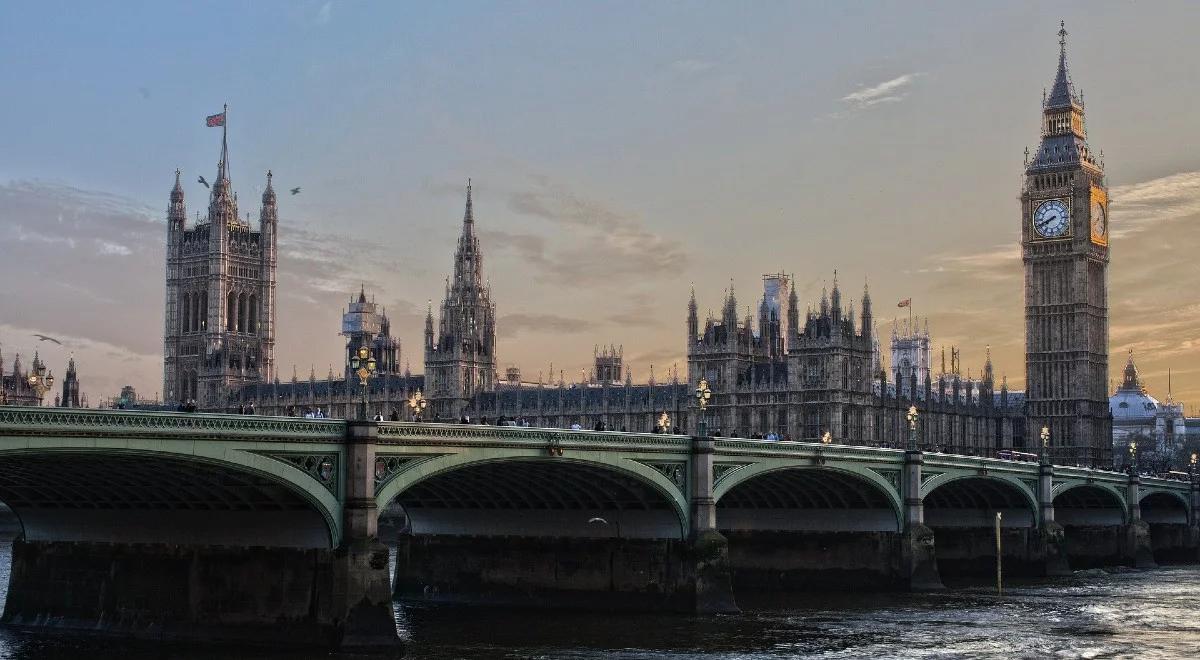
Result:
[[664, 422], [417, 403], [1044, 459], [703, 394], [40, 383], [912, 416], [363, 364], [1133, 457]]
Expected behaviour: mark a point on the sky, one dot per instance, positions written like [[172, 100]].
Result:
[[620, 152]]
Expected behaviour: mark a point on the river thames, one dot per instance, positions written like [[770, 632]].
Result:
[[1126, 614]]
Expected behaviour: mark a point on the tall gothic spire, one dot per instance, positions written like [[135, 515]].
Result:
[[1062, 93], [1064, 132], [468, 271]]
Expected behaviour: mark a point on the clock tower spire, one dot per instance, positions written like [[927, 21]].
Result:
[[1064, 246]]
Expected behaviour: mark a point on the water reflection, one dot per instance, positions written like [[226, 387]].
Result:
[[1148, 615]]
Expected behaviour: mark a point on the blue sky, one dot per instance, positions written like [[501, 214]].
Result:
[[620, 152]]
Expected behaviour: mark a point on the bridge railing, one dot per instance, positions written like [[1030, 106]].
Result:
[[21, 420], [425, 432]]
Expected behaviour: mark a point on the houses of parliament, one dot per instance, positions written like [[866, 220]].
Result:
[[783, 372]]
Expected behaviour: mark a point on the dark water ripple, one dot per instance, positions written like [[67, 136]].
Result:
[[1149, 615]]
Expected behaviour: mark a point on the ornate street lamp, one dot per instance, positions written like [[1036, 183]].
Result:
[[703, 394], [827, 438], [40, 383], [664, 422], [912, 427], [363, 365], [417, 403], [1133, 457], [1192, 465], [1045, 445]]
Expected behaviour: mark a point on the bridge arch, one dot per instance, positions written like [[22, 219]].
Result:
[[770, 496], [969, 500], [1089, 504], [531, 494], [163, 495], [1164, 507]]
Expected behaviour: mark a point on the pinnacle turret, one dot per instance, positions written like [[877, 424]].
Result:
[[268, 196]]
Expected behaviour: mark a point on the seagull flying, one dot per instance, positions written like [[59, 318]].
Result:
[[296, 190], [201, 180], [45, 338]]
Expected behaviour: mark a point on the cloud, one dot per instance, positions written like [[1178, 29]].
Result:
[[889, 91], [601, 245], [1136, 207], [512, 325], [692, 66], [115, 249], [324, 14]]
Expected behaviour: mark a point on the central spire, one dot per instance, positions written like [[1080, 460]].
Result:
[[469, 214]]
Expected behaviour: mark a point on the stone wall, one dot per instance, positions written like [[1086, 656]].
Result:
[[212, 594]]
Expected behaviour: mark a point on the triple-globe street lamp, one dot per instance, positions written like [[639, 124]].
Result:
[[40, 383], [912, 416], [362, 363], [417, 403], [1045, 444], [703, 394]]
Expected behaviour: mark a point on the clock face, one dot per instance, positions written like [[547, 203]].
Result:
[[1051, 219], [1099, 219]]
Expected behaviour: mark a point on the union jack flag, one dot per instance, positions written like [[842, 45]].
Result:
[[904, 303], [215, 120]]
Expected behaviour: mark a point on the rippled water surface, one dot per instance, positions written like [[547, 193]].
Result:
[[1145, 615]]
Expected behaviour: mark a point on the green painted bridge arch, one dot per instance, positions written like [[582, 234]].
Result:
[[800, 486], [472, 480], [106, 476]]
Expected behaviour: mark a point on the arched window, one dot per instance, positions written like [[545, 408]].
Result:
[[186, 318], [202, 326], [252, 316], [231, 312], [241, 320]]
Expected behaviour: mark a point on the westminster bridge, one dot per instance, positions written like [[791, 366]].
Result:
[[267, 528]]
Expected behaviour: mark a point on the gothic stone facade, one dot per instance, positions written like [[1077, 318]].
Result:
[[802, 380], [460, 360], [1064, 244], [220, 295]]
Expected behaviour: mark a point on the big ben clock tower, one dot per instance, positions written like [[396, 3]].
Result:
[[1064, 245]]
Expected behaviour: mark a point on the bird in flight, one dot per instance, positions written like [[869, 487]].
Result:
[[201, 180], [45, 338], [296, 190]]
